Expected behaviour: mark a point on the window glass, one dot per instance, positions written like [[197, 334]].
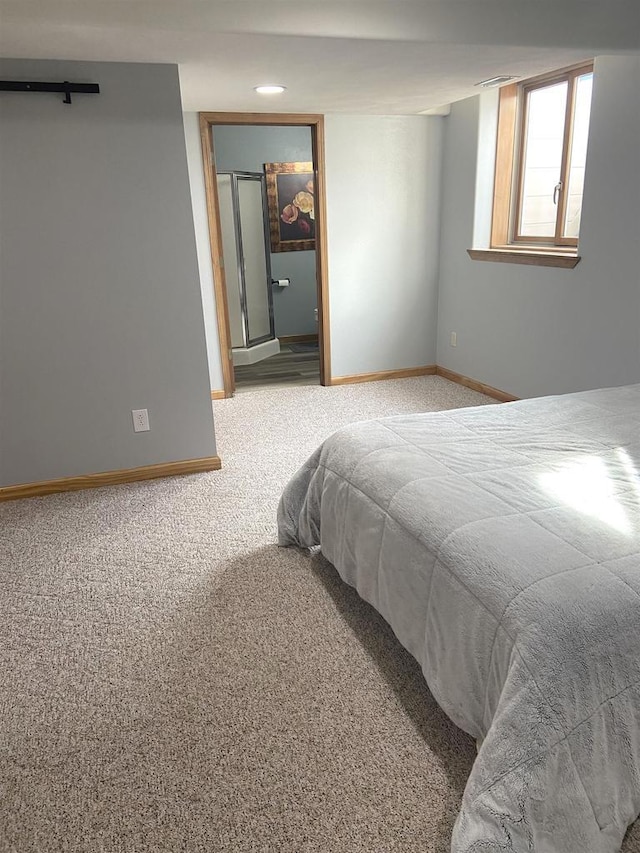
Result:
[[578, 155], [541, 154], [544, 137]]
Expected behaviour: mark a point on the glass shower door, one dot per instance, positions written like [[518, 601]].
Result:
[[256, 266], [247, 261], [230, 254]]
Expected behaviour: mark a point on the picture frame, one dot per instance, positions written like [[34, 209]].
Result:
[[291, 204]]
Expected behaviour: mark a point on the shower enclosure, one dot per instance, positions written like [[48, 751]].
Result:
[[245, 244]]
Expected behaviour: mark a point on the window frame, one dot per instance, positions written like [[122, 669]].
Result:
[[509, 164]]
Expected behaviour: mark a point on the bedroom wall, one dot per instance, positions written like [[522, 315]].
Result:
[[383, 199], [203, 248], [101, 309], [531, 331], [383, 204]]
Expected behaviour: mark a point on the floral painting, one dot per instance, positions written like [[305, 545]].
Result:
[[291, 198]]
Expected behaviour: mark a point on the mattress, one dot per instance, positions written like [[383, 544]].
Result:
[[502, 545]]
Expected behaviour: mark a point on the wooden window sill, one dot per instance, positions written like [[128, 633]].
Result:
[[531, 257]]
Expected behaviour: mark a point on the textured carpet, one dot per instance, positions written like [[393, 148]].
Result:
[[170, 680]]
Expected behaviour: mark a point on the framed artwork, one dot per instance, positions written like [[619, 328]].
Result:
[[291, 199]]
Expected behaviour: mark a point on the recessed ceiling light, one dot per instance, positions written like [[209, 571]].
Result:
[[270, 89], [495, 81]]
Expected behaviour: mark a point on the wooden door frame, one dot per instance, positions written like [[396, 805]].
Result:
[[208, 120]]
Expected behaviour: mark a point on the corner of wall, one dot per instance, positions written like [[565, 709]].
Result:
[[203, 245], [485, 167]]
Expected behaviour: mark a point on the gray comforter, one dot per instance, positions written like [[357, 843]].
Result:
[[502, 544]]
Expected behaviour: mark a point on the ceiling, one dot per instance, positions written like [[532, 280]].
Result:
[[355, 56]]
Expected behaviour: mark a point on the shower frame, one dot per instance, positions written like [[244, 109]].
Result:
[[244, 308]]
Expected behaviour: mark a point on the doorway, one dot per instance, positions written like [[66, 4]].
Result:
[[240, 255]]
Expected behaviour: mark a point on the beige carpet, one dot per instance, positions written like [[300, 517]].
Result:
[[170, 680]]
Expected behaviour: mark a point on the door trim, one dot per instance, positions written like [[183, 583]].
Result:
[[316, 124]]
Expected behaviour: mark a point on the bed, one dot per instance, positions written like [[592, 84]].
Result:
[[502, 545]]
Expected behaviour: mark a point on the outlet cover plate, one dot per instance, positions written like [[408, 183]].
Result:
[[140, 420]]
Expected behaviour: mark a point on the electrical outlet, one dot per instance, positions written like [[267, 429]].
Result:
[[140, 420], [454, 339]]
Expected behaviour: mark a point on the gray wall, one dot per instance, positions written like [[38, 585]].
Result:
[[203, 246], [534, 330], [101, 309], [383, 204], [245, 148]]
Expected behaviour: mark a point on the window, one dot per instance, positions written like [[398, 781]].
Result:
[[543, 127]]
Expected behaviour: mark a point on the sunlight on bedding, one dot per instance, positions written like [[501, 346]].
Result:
[[540, 523], [630, 468], [587, 486]]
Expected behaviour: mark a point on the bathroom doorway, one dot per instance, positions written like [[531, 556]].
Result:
[[271, 305]]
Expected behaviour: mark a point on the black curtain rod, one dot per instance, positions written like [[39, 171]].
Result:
[[66, 88]]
